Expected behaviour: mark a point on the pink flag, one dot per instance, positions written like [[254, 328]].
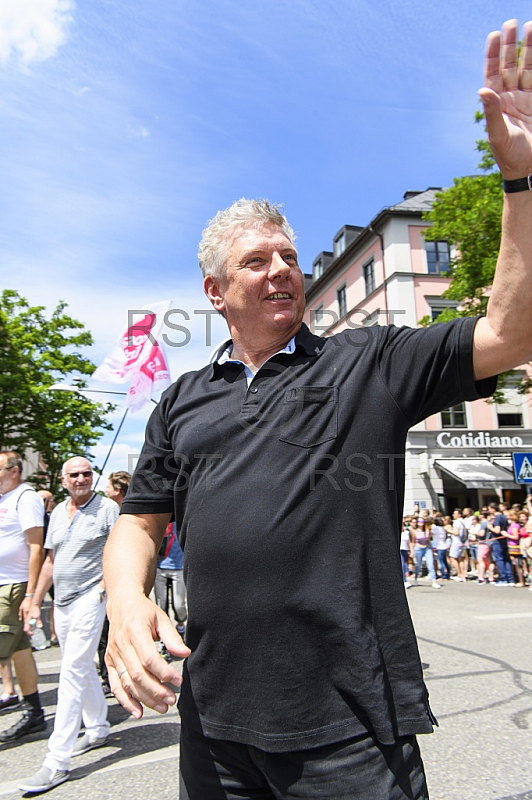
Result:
[[138, 359], [153, 376]]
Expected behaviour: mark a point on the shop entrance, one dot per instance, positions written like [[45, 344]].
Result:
[[457, 495]]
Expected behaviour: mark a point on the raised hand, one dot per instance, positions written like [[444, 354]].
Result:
[[507, 99]]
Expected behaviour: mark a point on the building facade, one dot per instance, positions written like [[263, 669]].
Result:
[[385, 273]]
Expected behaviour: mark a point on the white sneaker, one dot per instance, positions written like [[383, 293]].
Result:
[[435, 585], [408, 585], [44, 780], [84, 744]]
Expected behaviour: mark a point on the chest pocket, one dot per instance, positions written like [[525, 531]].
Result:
[[309, 415]]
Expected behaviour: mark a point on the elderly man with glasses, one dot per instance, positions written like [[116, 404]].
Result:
[[78, 530]]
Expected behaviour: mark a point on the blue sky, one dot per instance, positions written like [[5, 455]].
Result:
[[126, 126]]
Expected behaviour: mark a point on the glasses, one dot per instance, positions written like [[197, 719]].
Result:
[[5, 469], [86, 474]]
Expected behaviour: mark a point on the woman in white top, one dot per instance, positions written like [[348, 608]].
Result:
[[441, 543], [473, 534]]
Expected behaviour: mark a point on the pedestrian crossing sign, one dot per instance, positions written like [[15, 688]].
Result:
[[522, 467]]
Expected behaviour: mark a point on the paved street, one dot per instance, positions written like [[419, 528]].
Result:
[[475, 642]]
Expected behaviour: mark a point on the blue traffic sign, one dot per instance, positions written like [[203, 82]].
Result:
[[522, 467]]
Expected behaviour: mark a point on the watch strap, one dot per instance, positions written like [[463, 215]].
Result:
[[518, 185]]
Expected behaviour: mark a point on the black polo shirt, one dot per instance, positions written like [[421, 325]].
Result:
[[288, 497]]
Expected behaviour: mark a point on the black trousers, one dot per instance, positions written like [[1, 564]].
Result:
[[356, 769], [102, 647]]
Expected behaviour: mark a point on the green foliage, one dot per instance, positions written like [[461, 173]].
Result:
[[446, 316], [468, 215], [35, 352]]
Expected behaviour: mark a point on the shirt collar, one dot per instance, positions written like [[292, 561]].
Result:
[[226, 355], [304, 340], [91, 498]]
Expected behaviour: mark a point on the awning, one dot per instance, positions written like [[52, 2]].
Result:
[[476, 473], [505, 463]]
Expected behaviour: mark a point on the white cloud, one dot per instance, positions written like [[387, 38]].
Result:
[[122, 456], [138, 131], [32, 31]]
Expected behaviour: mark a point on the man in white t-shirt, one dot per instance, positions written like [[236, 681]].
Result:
[[21, 548]]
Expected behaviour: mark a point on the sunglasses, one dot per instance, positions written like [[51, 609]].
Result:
[[86, 474]]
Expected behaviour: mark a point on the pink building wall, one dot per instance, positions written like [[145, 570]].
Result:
[[427, 286], [483, 415], [353, 278]]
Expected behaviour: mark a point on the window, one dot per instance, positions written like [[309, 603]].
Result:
[[341, 296], [339, 245], [510, 411], [438, 257], [318, 314], [510, 420], [454, 417], [318, 269], [369, 276], [437, 306]]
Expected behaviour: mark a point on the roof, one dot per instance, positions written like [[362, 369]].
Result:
[[417, 201]]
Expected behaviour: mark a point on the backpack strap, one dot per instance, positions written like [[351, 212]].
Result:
[[20, 495]]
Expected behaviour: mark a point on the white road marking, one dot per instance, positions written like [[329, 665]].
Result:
[[164, 754], [144, 758], [522, 615]]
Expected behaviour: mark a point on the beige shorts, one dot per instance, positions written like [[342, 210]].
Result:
[[12, 636]]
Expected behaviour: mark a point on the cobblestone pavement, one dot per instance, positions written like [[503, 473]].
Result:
[[475, 643]]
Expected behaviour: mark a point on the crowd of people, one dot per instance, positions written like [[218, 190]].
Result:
[[492, 545], [58, 549]]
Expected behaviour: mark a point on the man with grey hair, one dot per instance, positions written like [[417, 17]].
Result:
[[21, 550], [302, 675], [77, 532]]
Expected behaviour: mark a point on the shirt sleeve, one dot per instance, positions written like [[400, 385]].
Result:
[[30, 510], [429, 369], [151, 489]]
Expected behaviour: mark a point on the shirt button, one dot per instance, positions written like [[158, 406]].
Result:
[[254, 389]]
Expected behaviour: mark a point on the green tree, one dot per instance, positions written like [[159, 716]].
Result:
[[468, 215], [36, 352]]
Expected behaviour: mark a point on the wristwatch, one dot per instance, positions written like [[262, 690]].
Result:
[[518, 185]]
